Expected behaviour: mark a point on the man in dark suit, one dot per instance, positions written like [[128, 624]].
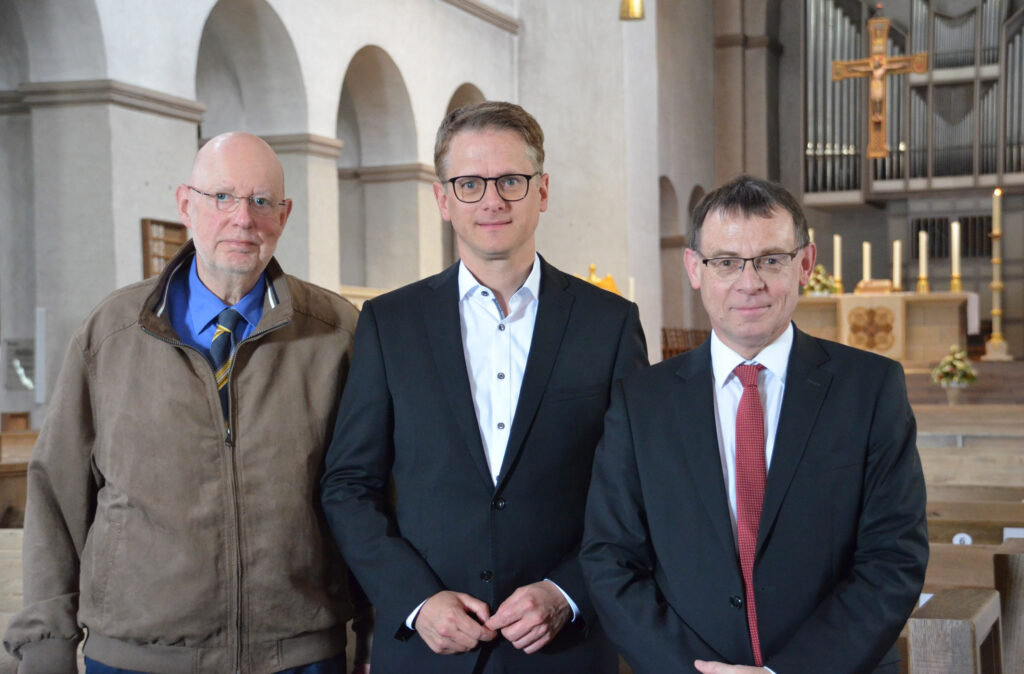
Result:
[[757, 501], [479, 395]]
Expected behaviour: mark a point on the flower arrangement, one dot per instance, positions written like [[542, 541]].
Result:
[[821, 282], [954, 369]]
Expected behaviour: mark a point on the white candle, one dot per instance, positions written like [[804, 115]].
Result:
[[897, 264], [837, 257], [866, 262], [810, 234], [922, 254], [997, 211], [954, 246]]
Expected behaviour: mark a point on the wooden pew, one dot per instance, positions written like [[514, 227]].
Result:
[[974, 522], [974, 492], [13, 489], [17, 445], [15, 421], [957, 631]]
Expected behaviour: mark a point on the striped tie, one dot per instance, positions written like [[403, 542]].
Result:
[[222, 349]]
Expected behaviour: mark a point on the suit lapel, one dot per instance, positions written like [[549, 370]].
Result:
[[555, 305], [693, 423], [806, 385], [444, 331]]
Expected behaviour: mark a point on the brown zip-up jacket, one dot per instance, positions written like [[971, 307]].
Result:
[[179, 544]]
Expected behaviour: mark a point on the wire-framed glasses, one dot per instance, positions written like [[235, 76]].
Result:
[[226, 203], [770, 264]]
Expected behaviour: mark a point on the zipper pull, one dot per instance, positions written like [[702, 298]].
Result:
[[227, 437]]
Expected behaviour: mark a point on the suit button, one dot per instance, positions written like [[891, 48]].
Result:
[[736, 601], [498, 503], [486, 576]]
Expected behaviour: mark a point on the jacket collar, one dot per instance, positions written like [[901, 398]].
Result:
[[277, 301]]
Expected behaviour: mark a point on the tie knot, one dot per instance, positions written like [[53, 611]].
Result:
[[228, 319], [748, 374]]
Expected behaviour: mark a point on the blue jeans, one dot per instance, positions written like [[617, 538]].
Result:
[[335, 665]]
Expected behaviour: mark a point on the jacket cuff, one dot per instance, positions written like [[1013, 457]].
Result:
[[47, 656]]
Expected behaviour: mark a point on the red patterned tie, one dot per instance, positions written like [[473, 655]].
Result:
[[750, 478]]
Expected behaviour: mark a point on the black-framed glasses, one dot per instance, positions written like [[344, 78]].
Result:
[[226, 202], [511, 187], [770, 264]]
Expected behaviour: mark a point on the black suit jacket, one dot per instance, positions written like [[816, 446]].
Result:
[[842, 544], [407, 414]]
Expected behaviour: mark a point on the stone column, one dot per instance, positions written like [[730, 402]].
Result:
[[104, 155], [309, 247]]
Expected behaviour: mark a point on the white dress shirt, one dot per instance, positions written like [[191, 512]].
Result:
[[496, 346], [771, 383]]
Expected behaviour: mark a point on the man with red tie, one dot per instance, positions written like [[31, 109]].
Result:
[[757, 504]]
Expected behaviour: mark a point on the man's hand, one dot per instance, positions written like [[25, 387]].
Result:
[[450, 622], [705, 667], [532, 616]]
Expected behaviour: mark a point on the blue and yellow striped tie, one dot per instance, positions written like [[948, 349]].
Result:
[[222, 351]]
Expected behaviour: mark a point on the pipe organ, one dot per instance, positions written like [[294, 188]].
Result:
[[959, 125]]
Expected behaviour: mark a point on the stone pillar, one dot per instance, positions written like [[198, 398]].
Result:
[[403, 229], [309, 247], [104, 155], [17, 251]]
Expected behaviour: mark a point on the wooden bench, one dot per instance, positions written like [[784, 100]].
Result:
[[967, 522], [15, 421], [13, 490], [675, 341], [958, 631], [975, 493], [17, 445]]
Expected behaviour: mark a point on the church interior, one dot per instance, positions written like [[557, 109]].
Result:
[[899, 127]]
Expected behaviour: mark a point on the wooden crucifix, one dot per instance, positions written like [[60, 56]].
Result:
[[877, 66]]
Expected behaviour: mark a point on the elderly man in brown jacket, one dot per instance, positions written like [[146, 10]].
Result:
[[171, 496]]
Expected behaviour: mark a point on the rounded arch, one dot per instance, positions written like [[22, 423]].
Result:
[[375, 118], [64, 40], [248, 73], [696, 194], [466, 94]]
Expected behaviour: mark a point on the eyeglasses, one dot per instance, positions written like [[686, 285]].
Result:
[[772, 264], [511, 187], [227, 203]]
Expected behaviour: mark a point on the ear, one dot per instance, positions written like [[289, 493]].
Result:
[[286, 212], [441, 196], [694, 267], [807, 257], [183, 195], [542, 189]]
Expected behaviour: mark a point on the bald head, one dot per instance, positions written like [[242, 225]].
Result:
[[235, 207], [237, 146]]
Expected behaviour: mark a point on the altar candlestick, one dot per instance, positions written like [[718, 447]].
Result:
[[866, 262], [897, 265], [997, 211], [922, 262], [837, 262], [810, 234], [996, 347], [955, 284]]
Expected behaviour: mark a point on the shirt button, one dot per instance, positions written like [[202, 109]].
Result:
[[486, 576], [485, 293], [736, 601], [501, 375], [501, 425], [501, 326]]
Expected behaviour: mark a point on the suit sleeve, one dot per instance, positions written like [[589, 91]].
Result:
[[618, 559], [630, 356], [355, 488], [860, 620], [62, 490]]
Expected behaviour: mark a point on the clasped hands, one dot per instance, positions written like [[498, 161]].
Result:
[[455, 622]]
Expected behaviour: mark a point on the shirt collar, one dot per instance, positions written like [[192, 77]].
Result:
[[468, 285], [204, 306], [775, 357]]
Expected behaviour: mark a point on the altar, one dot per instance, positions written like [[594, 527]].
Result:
[[909, 327]]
